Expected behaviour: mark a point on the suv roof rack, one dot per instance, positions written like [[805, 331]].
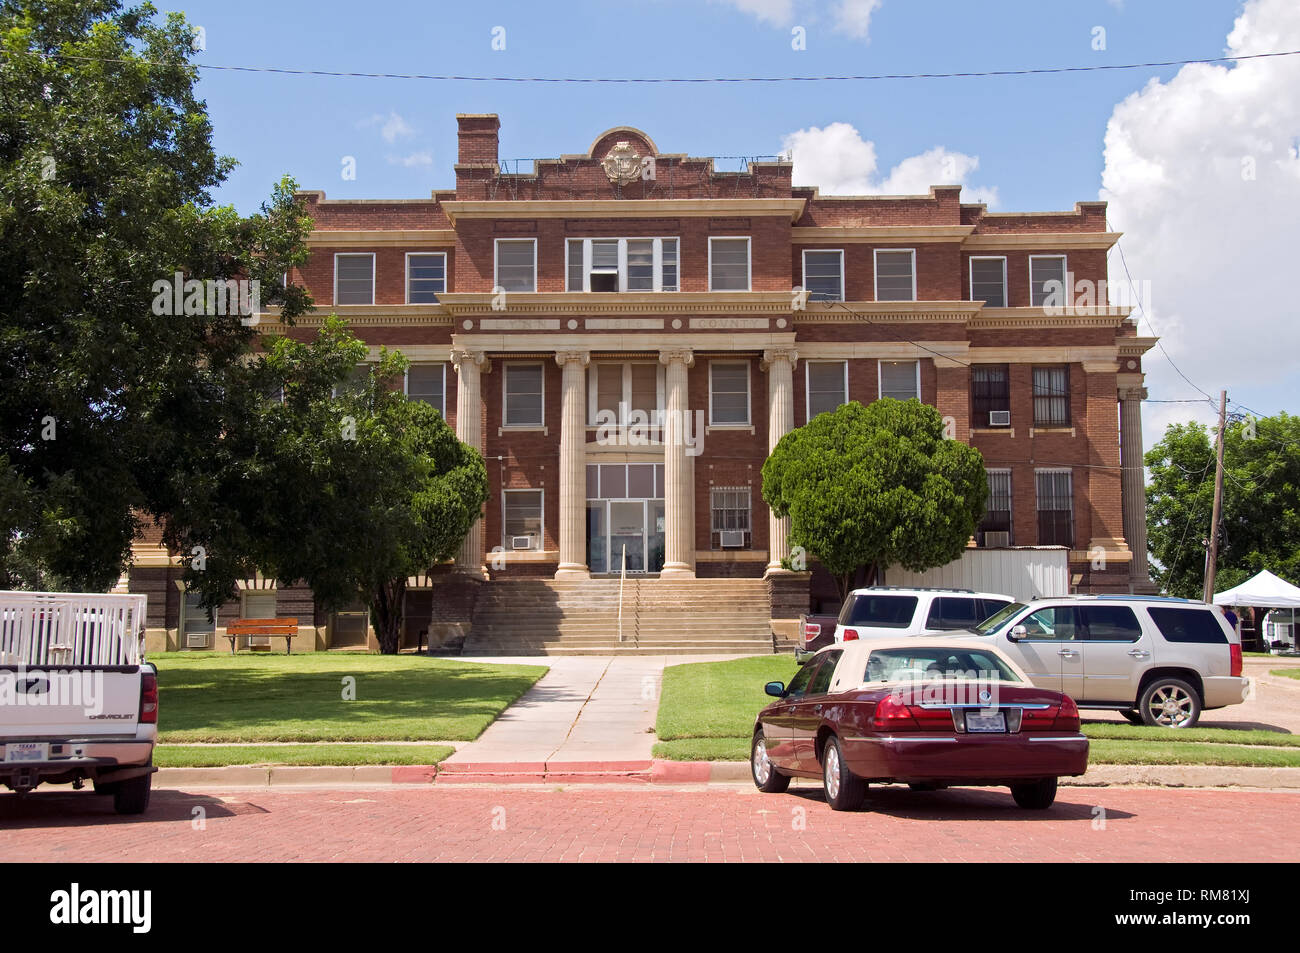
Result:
[[912, 589]]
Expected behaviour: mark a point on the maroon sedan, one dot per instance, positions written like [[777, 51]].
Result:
[[928, 712]]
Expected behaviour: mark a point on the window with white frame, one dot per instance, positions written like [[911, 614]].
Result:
[[730, 506], [427, 382], [1044, 269], [1055, 507], [522, 521], [426, 277], [354, 278], [827, 384], [516, 264], [988, 281], [895, 274], [625, 392], [621, 264], [997, 511], [1052, 396], [356, 383], [823, 274], [728, 392], [728, 264], [900, 380], [196, 626], [523, 400], [258, 604]]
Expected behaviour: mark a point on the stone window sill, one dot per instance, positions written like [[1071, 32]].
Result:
[[1009, 431], [523, 428], [725, 427], [1037, 430]]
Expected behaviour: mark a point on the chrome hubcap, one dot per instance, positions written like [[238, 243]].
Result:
[[832, 772], [1171, 706], [762, 766]]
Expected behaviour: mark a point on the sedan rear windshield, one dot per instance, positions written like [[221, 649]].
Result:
[[886, 612], [932, 662]]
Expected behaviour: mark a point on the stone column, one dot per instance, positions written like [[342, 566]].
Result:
[[779, 364], [573, 465], [1133, 490], [471, 364], [679, 469]]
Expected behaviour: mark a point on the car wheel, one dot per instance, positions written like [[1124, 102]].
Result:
[[132, 795], [845, 791], [1035, 795], [1133, 716], [766, 778], [1170, 703]]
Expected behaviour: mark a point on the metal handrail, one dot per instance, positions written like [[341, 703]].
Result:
[[622, 578]]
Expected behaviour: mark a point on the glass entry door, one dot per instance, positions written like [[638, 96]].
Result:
[[634, 524], [627, 533]]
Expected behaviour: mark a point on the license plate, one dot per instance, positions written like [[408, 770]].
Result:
[[985, 721], [27, 751]]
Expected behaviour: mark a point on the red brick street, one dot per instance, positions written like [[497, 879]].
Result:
[[720, 823]]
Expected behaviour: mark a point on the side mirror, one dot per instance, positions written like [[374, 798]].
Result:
[[775, 689], [1017, 633]]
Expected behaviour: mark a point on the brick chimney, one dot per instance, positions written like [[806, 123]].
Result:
[[477, 136]]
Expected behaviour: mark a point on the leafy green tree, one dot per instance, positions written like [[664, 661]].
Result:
[[1260, 523], [870, 487], [106, 169]]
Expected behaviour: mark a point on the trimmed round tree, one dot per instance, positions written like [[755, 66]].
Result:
[[871, 487]]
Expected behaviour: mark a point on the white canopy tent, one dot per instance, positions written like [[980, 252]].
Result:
[[1267, 591]]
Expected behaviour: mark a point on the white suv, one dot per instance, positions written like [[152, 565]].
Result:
[[1158, 660], [889, 611]]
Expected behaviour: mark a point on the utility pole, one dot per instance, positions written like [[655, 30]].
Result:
[[1218, 502]]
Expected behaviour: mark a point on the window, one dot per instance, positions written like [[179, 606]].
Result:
[[427, 382], [990, 390], [821, 682], [621, 264], [1055, 623], [259, 605], [631, 392], [426, 277], [728, 392], [625, 481], [516, 264], [523, 517], [1052, 396], [523, 395], [827, 385], [799, 684], [195, 620], [1188, 625], [823, 275], [895, 275], [1111, 624], [356, 384], [988, 281], [997, 512], [1055, 508], [900, 380], [730, 506], [1042, 269], [887, 612], [354, 278], [897, 665], [954, 612], [728, 264]]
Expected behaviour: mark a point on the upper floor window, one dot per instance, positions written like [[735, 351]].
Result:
[[354, 278], [426, 277], [988, 281], [895, 274], [827, 384], [621, 264], [356, 383], [728, 264], [1052, 396], [622, 389], [1044, 269], [990, 392], [728, 392], [523, 398], [900, 380], [823, 274], [1055, 507], [427, 382], [516, 264]]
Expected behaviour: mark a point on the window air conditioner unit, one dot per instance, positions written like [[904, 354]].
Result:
[[196, 640], [521, 542], [994, 540], [732, 538], [999, 418]]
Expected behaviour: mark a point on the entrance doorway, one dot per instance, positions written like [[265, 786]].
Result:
[[625, 512]]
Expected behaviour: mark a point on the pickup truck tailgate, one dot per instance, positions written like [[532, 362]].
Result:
[[69, 702]]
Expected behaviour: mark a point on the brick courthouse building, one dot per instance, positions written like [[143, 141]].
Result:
[[557, 317]]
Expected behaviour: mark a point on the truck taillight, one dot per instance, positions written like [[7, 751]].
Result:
[[850, 635], [1067, 717], [811, 630], [1235, 659], [149, 699], [892, 715]]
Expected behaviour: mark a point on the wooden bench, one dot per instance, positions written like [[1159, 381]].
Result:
[[284, 628]]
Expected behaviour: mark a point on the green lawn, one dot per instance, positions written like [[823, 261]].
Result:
[[216, 756], [1287, 672], [215, 697], [718, 699], [1155, 752]]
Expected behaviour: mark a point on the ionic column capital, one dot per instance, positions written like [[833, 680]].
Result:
[[573, 356], [677, 355], [471, 355], [778, 354], [1138, 393]]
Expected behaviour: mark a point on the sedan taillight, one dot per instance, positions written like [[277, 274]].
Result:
[[149, 699], [1037, 719], [892, 715], [1067, 717]]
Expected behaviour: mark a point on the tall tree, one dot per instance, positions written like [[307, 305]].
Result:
[[1260, 522], [106, 172], [870, 487]]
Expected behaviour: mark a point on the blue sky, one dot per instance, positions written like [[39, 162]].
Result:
[[1038, 139]]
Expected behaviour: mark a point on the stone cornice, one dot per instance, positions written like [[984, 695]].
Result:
[[880, 234], [361, 316], [1135, 347], [370, 237], [988, 241], [623, 208], [892, 312], [579, 303], [1012, 318]]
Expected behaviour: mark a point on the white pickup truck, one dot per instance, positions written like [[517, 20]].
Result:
[[78, 701]]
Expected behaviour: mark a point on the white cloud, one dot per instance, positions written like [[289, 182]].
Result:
[[854, 17], [776, 12], [391, 126], [413, 160], [839, 161], [1216, 244], [851, 17]]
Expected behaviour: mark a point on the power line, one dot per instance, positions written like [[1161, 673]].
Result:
[[454, 78]]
